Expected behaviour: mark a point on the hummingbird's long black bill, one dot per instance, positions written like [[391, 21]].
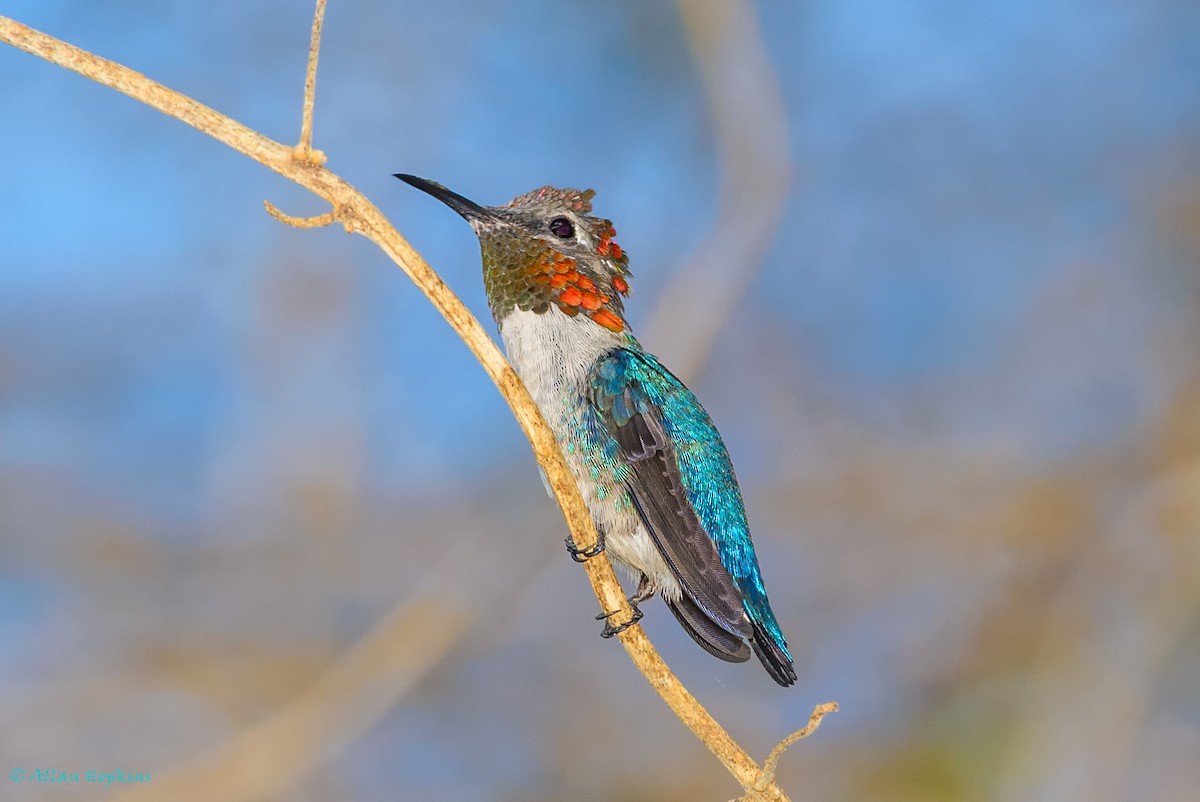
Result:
[[467, 208]]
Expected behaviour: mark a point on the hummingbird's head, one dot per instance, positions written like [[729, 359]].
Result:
[[544, 252]]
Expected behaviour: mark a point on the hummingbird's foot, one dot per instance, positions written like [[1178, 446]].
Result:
[[583, 555], [609, 630], [645, 590]]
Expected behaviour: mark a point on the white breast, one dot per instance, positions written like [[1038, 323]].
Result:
[[553, 353]]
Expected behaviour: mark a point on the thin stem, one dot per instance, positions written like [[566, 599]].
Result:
[[316, 221], [814, 721], [310, 85]]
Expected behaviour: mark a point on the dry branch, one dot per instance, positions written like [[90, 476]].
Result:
[[357, 214]]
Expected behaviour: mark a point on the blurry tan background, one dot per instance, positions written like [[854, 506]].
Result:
[[932, 269]]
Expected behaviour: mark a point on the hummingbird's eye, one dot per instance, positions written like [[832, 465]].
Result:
[[562, 228]]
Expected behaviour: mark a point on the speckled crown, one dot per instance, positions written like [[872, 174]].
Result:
[[574, 200]]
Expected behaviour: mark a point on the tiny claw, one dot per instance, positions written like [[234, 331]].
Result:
[[609, 630], [583, 555]]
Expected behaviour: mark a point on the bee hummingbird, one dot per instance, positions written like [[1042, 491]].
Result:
[[650, 464]]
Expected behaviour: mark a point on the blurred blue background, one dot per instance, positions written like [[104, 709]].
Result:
[[932, 268]]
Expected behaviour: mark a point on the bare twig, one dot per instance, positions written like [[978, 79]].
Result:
[[317, 221], [772, 762], [360, 215], [814, 721], [305, 151]]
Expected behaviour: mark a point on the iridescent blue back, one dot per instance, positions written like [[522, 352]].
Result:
[[704, 464]]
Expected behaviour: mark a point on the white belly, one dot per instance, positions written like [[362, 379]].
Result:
[[553, 353]]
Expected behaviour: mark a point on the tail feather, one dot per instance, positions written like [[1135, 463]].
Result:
[[720, 643], [771, 654], [706, 632]]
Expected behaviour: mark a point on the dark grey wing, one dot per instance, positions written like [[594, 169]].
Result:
[[711, 610]]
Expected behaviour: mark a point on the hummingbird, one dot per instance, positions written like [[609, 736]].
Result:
[[651, 466]]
